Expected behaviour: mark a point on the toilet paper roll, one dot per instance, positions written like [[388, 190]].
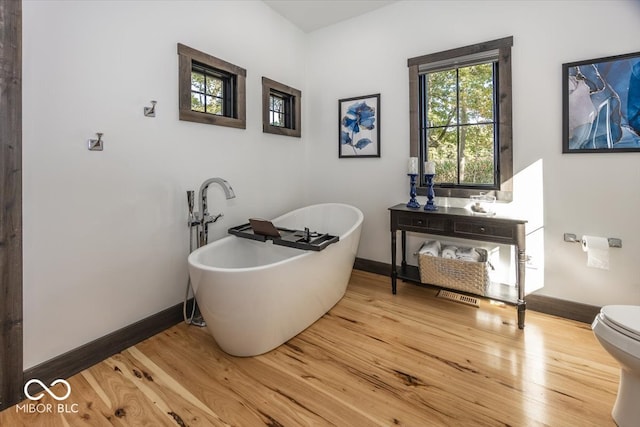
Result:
[[597, 249]]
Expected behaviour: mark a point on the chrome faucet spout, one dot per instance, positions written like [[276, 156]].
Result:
[[203, 216], [228, 192]]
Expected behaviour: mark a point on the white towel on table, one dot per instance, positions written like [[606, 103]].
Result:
[[430, 247], [449, 252]]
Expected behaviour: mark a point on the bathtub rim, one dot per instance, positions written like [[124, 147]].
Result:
[[191, 259]]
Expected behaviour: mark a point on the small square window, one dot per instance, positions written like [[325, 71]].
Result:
[[280, 109], [211, 90]]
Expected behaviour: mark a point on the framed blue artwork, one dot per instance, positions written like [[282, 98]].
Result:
[[601, 105], [359, 126]]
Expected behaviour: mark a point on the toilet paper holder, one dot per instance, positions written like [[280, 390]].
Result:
[[613, 242]]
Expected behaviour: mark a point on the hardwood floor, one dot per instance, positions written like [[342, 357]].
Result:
[[374, 359]]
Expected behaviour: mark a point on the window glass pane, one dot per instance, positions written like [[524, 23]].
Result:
[[277, 103], [207, 91], [443, 149], [197, 102], [476, 94], [277, 110], [197, 82], [441, 92], [214, 105], [460, 130], [277, 119], [476, 146], [214, 86]]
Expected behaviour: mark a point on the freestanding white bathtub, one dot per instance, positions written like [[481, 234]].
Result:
[[255, 296]]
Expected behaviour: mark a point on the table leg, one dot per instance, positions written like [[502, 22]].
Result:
[[404, 249], [521, 265], [522, 307], [394, 269]]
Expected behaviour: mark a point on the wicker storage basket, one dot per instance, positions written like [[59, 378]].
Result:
[[467, 276]]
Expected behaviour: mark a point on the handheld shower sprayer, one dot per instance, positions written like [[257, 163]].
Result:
[[190, 200], [191, 196]]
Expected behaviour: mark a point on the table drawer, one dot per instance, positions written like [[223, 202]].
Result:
[[483, 230], [422, 223]]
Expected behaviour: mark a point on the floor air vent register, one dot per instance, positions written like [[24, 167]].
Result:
[[464, 299]]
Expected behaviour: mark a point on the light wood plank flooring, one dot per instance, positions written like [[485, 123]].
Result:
[[375, 359]]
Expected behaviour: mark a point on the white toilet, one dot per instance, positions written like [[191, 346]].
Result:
[[617, 328]]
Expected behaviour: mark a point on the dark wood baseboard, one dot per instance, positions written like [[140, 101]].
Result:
[[372, 266], [87, 355], [541, 303], [562, 308]]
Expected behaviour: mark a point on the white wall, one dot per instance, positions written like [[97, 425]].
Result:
[[105, 235], [369, 55]]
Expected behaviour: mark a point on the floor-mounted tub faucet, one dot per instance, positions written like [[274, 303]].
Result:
[[199, 222], [205, 218]]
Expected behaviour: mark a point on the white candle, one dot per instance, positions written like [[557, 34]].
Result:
[[413, 165], [429, 168]]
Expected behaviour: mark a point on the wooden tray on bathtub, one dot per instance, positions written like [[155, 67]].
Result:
[[263, 230]]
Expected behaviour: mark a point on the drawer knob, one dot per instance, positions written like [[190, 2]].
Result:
[[482, 229]]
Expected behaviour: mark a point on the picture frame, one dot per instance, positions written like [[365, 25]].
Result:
[[601, 105], [359, 127]]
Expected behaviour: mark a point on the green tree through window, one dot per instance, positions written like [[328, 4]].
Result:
[[461, 118], [459, 124], [207, 92]]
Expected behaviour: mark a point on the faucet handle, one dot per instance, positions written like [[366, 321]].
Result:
[[208, 219], [194, 219]]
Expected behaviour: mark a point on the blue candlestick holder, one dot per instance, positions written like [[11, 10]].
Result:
[[413, 203], [430, 206]]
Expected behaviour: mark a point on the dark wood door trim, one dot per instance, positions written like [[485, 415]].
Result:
[[11, 365]]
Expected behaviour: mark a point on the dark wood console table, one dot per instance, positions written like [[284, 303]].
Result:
[[460, 223]]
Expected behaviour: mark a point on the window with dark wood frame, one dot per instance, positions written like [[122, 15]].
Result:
[[455, 58], [210, 90], [281, 111]]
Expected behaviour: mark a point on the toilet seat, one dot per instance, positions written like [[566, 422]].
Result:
[[625, 319]]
